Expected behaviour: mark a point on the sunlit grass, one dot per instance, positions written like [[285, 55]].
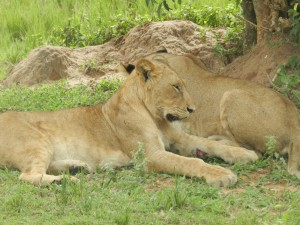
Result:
[[55, 96]]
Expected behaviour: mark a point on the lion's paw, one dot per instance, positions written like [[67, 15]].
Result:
[[221, 177], [85, 169], [245, 157], [240, 155], [294, 172], [59, 180]]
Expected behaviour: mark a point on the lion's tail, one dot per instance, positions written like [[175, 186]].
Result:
[[294, 154]]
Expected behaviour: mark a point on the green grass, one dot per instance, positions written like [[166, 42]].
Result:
[[55, 96], [125, 197], [27, 24], [265, 192]]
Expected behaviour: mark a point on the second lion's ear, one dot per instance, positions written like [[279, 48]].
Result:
[[145, 68], [130, 68], [125, 69]]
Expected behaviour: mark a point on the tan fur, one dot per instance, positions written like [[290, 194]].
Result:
[[236, 112], [44, 144]]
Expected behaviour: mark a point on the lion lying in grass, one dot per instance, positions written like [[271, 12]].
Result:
[[235, 112], [148, 108]]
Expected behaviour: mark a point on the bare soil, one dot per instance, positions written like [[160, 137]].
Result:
[[261, 63]]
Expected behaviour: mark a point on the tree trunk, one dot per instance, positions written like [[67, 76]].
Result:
[[274, 45], [250, 33], [271, 15]]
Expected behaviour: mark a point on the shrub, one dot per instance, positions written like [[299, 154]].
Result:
[[74, 34], [288, 80]]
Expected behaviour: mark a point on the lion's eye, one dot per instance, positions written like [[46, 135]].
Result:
[[177, 88]]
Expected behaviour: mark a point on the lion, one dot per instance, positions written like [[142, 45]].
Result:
[[235, 112], [148, 108]]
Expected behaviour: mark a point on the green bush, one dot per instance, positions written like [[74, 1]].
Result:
[[288, 80], [210, 16], [295, 24], [74, 33]]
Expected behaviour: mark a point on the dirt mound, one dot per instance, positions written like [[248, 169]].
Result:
[[50, 63], [261, 64], [82, 65]]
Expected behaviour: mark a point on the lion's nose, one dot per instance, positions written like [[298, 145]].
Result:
[[190, 110]]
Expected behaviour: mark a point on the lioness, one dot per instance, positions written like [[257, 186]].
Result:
[[148, 108], [235, 112]]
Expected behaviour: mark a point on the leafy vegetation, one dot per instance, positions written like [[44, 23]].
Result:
[[163, 3], [73, 35], [295, 24], [288, 79]]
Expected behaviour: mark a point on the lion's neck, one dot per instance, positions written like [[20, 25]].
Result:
[[129, 99], [126, 113]]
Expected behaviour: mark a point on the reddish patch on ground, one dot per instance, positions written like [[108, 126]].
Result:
[[253, 179], [159, 184]]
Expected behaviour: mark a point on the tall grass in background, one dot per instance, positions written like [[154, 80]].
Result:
[[27, 24]]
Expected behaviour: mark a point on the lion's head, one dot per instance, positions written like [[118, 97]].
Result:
[[164, 93]]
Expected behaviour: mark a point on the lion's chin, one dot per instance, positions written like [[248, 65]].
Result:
[[171, 118]]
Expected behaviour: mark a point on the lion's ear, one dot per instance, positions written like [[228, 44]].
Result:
[[125, 69], [145, 68], [129, 68]]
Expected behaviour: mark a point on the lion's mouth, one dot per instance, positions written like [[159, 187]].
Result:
[[172, 118]]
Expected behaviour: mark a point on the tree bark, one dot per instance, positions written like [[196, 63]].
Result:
[[271, 15], [250, 32]]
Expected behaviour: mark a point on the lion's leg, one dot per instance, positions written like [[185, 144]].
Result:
[[250, 119], [114, 159], [39, 178], [34, 161], [188, 144], [223, 140], [228, 153], [294, 156], [68, 165], [162, 161]]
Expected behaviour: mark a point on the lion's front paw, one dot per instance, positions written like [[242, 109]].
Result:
[[250, 156], [85, 169], [221, 177], [239, 155], [245, 157], [59, 180], [294, 172]]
